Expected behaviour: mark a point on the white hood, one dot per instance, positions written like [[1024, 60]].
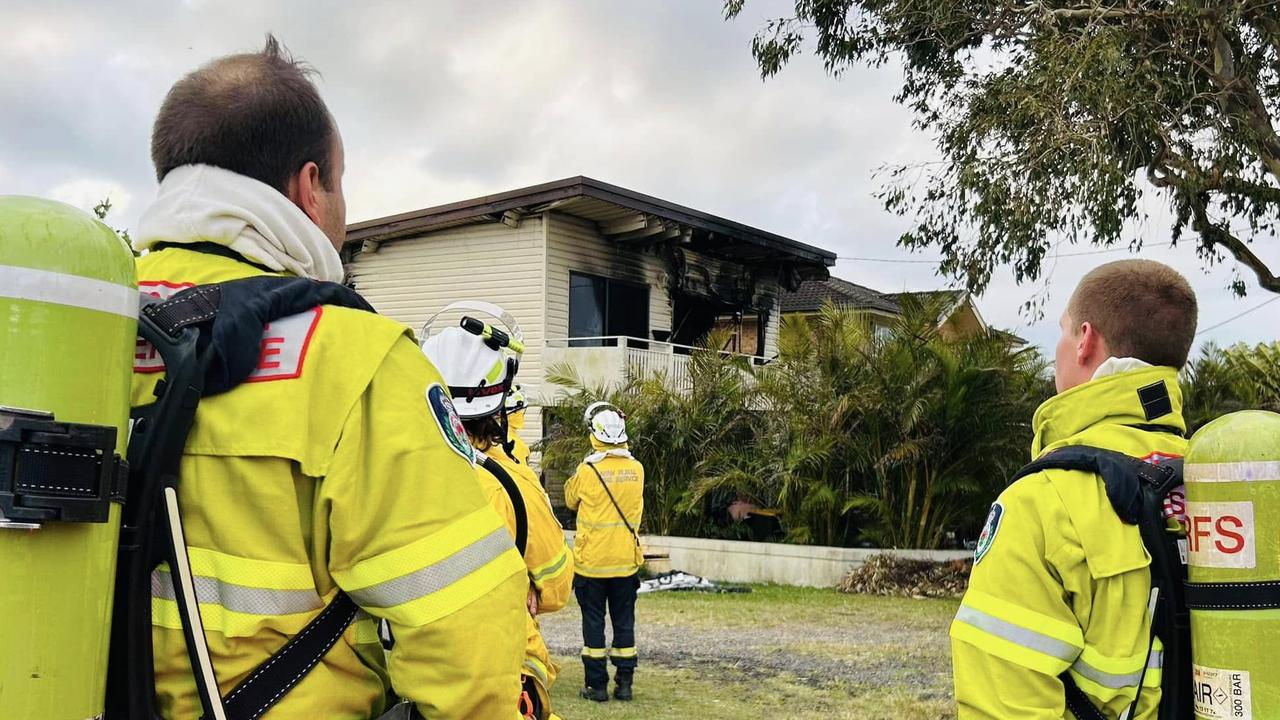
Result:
[[202, 203]]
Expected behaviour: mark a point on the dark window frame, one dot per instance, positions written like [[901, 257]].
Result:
[[607, 326]]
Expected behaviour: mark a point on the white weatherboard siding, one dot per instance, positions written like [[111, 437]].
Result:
[[574, 245], [409, 279]]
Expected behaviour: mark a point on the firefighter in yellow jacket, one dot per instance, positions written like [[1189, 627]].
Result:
[[607, 492], [337, 464], [479, 370], [1060, 589]]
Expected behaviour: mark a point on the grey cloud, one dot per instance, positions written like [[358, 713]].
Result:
[[440, 101]]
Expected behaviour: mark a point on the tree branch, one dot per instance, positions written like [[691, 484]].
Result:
[[1212, 233]]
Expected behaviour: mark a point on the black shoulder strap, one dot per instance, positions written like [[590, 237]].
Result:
[[1137, 490], [621, 515], [269, 682], [517, 501], [209, 339]]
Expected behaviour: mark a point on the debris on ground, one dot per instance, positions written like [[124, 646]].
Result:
[[899, 577], [680, 580]]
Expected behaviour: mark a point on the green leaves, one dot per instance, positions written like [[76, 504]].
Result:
[[894, 435], [1053, 120], [1221, 381]]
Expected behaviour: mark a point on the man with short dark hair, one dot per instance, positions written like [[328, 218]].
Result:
[[1060, 589], [335, 466]]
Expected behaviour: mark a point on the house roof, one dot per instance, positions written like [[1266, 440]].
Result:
[[623, 215], [812, 294], [949, 297]]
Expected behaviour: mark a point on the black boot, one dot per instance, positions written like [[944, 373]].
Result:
[[622, 687], [594, 694]]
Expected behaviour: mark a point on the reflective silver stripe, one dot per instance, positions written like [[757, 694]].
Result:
[[437, 576], [1106, 679], [537, 671], [239, 598], [564, 558], [1155, 661], [1249, 471], [45, 286], [1018, 635]]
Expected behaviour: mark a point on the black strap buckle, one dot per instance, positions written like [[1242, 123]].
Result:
[[54, 471]]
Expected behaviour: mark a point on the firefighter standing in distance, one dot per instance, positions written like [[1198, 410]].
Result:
[[1060, 589], [607, 492], [335, 465]]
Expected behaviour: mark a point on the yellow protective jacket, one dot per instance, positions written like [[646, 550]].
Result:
[[329, 469], [1059, 582], [602, 544], [547, 558]]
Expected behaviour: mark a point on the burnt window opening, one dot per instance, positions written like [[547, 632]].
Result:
[[746, 331], [604, 307]]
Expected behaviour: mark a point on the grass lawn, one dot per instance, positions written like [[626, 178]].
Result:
[[777, 652]]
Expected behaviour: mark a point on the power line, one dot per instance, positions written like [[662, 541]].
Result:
[[1058, 255], [1259, 306]]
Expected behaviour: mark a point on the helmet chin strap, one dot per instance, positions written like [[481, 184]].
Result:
[[508, 445]]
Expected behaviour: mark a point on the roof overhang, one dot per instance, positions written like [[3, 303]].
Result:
[[622, 215]]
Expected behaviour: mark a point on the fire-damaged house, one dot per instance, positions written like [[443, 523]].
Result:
[[600, 278]]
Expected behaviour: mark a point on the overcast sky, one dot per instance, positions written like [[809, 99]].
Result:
[[442, 101]]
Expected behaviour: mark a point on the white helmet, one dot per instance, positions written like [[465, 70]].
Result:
[[515, 399], [477, 361], [606, 422]]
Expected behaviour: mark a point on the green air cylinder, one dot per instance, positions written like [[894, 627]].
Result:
[[1233, 537], [68, 327]]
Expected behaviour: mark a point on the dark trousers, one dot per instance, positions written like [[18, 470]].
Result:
[[619, 595]]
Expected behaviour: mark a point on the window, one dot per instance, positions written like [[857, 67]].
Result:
[[602, 307]]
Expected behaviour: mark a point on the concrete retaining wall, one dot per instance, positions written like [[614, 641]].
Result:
[[751, 562]]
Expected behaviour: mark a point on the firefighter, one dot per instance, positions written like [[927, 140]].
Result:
[[1059, 602], [474, 361], [335, 466], [607, 492]]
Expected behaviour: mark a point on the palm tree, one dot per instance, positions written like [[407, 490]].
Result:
[[894, 437]]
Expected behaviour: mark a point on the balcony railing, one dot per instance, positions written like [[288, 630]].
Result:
[[608, 360]]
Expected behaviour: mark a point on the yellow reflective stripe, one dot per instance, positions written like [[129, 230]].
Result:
[[626, 652], [420, 553], [1108, 672], [240, 598], [584, 525], [431, 592], [1012, 641], [1155, 668], [595, 653], [535, 668], [554, 568], [217, 618], [614, 570], [1067, 632], [249, 572]]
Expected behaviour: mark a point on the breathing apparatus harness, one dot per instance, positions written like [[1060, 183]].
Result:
[[209, 338], [1137, 491]]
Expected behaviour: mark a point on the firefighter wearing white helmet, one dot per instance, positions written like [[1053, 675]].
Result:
[[478, 361], [607, 492]]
